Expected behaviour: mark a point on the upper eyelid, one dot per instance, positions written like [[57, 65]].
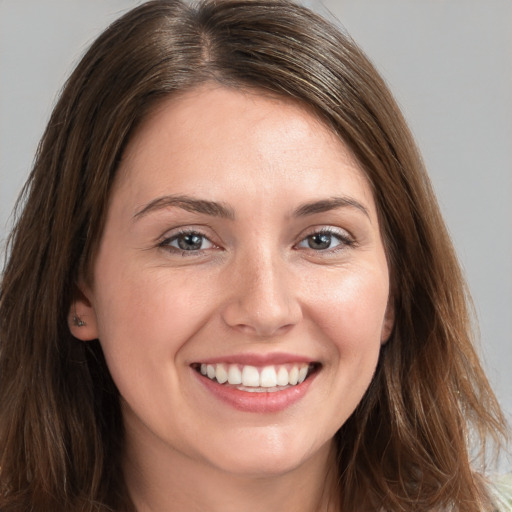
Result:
[[164, 243], [173, 233], [184, 230], [333, 230], [346, 239]]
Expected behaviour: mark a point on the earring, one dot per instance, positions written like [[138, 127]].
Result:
[[78, 321]]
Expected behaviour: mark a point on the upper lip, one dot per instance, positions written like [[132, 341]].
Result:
[[258, 359]]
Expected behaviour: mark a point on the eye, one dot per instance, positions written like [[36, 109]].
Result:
[[188, 241], [326, 240]]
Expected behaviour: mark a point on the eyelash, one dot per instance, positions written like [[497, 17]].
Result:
[[345, 240], [166, 243]]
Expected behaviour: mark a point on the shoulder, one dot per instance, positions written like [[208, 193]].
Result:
[[501, 489]]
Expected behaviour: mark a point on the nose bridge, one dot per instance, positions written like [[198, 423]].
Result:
[[263, 298]]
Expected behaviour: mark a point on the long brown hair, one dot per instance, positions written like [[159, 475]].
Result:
[[61, 432]]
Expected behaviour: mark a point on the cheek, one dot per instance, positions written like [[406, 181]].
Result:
[[149, 309], [144, 320], [347, 308], [350, 313], [351, 306]]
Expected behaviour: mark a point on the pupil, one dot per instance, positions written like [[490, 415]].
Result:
[[320, 241], [190, 242]]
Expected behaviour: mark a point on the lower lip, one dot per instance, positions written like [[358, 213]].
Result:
[[258, 402]]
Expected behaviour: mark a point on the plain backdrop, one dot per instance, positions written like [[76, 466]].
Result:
[[449, 63]]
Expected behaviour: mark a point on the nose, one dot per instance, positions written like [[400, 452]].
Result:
[[263, 297]]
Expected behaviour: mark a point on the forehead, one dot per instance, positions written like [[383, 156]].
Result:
[[206, 138]]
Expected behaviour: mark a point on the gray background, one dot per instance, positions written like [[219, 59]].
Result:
[[448, 62]]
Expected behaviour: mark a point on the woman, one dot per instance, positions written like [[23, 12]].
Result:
[[230, 286]]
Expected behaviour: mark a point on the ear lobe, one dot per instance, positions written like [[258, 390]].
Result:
[[82, 320], [389, 322]]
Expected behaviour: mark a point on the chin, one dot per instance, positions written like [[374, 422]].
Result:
[[265, 467], [273, 457]]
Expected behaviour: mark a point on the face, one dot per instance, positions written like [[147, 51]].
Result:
[[241, 286]]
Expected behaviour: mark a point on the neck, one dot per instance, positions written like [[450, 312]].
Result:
[[161, 479]]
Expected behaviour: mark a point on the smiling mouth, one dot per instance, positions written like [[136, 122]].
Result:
[[262, 379]]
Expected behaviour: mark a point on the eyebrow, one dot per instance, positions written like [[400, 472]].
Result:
[[189, 204], [325, 205], [216, 209]]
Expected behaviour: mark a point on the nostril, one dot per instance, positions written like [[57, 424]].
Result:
[[271, 321]]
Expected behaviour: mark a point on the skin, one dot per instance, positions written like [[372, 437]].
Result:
[[255, 287]]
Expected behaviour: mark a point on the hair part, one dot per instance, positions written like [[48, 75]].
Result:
[[61, 432]]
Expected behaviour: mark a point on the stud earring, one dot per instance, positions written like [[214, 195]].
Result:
[[78, 321]]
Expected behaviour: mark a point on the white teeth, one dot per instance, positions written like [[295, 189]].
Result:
[[293, 376], [282, 377], [268, 377], [250, 376], [221, 374], [234, 375]]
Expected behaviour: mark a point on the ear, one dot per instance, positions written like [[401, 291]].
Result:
[[389, 322], [82, 319]]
